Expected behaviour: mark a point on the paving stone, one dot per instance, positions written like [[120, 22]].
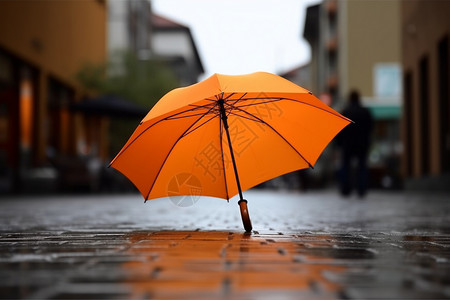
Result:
[[305, 246]]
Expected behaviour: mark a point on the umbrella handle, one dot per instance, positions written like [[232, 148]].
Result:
[[245, 216]]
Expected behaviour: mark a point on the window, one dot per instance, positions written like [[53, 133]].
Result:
[[424, 119], [444, 113], [58, 127], [408, 115]]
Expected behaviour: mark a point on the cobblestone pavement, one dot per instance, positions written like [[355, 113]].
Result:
[[312, 246]]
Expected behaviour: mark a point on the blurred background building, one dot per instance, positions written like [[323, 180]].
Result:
[[132, 26], [357, 45], [55, 132], [425, 29], [42, 44], [129, 27], [173, 43]]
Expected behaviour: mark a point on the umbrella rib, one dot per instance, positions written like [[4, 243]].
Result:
[[279, 134], [271, 99], [197, 127], [228, 97], [187, 116], [237, 100], [244, 117], [259, 103], [240, 98], [276, 99], [171, 117], [202, 106], [223, 158], [194, 107], [170, 151]]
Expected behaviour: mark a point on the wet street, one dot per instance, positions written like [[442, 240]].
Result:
[[313, 245]]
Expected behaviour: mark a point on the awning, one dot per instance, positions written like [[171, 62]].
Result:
[[386, 112], [110, 106]]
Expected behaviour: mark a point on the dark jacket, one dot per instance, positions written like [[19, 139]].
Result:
[[356, 136]]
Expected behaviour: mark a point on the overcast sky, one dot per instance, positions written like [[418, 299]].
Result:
[[243, 36]]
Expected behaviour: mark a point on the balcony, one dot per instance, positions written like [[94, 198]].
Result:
[[332, 82], [332, 45], [331, 8]]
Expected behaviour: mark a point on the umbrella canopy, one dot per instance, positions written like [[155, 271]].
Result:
[[227, 134]]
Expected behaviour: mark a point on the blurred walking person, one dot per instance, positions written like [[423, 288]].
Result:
[[354, 142]]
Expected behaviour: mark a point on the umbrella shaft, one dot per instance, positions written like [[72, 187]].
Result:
[[224, 117]]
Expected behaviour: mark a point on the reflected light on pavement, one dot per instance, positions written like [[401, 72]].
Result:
[[194, 264]]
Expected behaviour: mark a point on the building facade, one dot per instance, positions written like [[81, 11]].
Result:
[[42, 46], [132, 26], [356, 45], [426, 63], [352, 49], [174, 43], [129, 27]]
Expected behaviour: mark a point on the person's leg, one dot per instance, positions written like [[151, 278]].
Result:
[[345, 176], [363, 174]]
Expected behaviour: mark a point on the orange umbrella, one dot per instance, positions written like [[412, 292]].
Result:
[[227, 134]]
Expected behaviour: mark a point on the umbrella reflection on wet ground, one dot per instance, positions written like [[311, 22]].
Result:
[[212, 265], [311, 246], [219, 264]]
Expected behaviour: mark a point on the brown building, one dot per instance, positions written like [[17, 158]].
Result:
[[426, 64], [42, 45]]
